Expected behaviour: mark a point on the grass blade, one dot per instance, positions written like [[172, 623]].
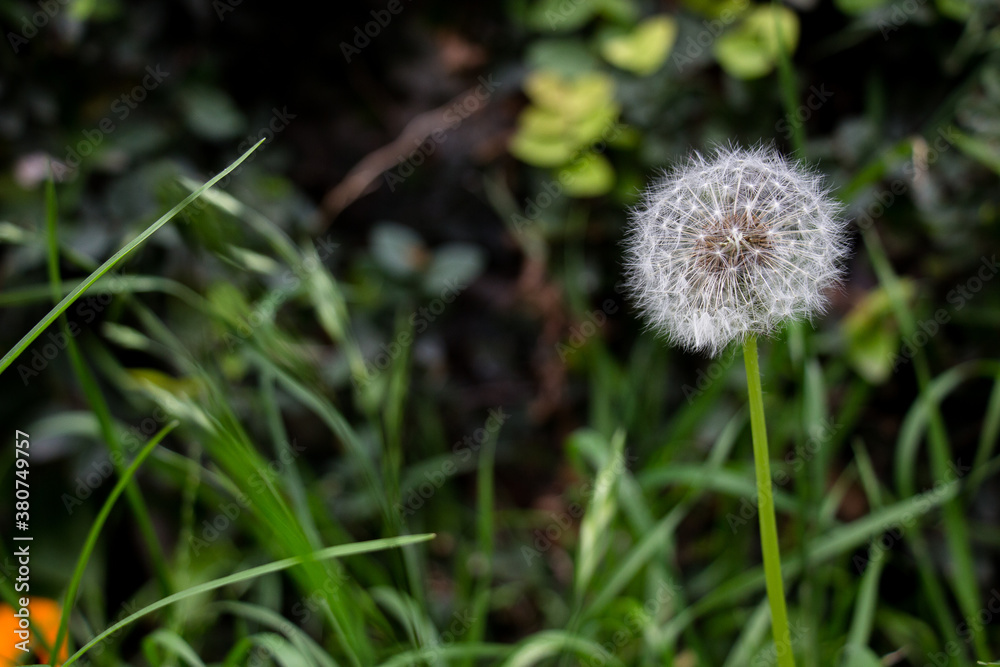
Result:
[[339, 551], [85, 284], [95, 530]]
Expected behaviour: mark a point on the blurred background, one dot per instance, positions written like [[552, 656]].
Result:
[[407, 304]]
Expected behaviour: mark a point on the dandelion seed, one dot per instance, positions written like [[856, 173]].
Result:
[[763, 252]]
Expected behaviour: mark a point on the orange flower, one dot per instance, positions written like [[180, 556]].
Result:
[[44, 614]]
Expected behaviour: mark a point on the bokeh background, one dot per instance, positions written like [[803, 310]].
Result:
[[406, 307]]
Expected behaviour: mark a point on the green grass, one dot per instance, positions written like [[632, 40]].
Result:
[[659, 566]]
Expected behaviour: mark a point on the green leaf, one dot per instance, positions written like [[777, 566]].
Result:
[[211, 114], [717, 8], [985, 152], [602, 509], [571, 96], [397, 249], [873, 335], [567, 115], [643, 49], [589, 176], [561, 15], [454, 263], [959, 10], [566, 56], [859, 6], [541, 151], [571, 15], [94, 10], [751, 50]]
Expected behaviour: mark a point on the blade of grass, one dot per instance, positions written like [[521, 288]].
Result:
[[550, 643], [173, 643], [835, 542], [655, 539], [95, 398], [988, 436], [450, 654], [276, 621], [275, 524], [728, 482], [867, 601], [408, 614], [789, 87], [962, 577], [339, 551], [85, 284], [602, 509], [484, 540], [95, 530], [753, 633]]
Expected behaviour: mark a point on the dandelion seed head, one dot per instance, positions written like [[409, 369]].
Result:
[[733, 244]]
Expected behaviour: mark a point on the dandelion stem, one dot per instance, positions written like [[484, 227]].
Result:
[[765, 506]]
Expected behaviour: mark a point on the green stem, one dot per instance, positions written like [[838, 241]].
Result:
[[765, 506]]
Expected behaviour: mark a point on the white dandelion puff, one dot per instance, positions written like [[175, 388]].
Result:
[[731, 245]]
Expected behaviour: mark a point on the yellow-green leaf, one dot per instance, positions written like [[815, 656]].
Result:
[[567, 115], [751, 50], [591, 175], [541, 151], [718, 9], [859, 6], [872, 334], [184, 388], [643, 49]]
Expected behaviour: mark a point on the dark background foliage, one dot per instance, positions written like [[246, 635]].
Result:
[[896, 103]]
